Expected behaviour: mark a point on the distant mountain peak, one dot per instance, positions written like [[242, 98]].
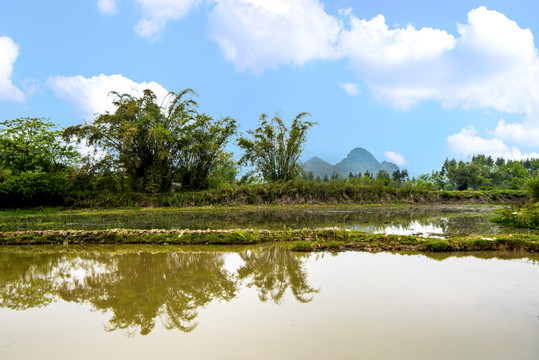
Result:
[[359, 160], [358, 151]]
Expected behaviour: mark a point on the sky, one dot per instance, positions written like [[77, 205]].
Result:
[[414, 82]]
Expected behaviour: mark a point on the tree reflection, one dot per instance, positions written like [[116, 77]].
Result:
[[141, 287], [138, 289], [272, 271], [29, 280]]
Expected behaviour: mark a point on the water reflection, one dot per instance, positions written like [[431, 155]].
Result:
[[28, 281], [274, 270], [263, 218], [137, 289], [432, 220]]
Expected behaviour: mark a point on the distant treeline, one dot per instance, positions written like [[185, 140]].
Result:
[[145, 150]]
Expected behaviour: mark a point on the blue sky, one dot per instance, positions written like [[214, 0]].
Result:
[[414, 81]]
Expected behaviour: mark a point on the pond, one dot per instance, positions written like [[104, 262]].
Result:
[[265, 302], [426, 220]]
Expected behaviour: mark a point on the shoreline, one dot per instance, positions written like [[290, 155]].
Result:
[[333, 240]]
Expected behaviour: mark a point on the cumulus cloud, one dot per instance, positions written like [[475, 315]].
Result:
[[491, 63], [8, 54], [256, 34], [351, 89], [468, 143], [395, 158], [107, 6], [526, 133], [157, 13], [91, 96]]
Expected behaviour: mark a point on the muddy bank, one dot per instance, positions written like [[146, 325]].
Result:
[[300, 240]]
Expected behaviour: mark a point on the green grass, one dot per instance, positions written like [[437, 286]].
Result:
[[520, 217], [302, 240], [286, 193], [271, 217]]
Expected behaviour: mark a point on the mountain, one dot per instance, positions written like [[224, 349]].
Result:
[[318, 167], [358, 160], [389, 167]]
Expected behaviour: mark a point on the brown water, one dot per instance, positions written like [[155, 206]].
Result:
[[265, 303]]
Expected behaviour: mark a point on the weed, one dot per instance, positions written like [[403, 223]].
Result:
[[438, 246], [302, 246]]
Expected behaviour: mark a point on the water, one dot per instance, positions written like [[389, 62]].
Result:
[[432, 220], [265, 302]]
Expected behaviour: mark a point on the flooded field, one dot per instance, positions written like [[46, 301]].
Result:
[[431, 220], [265, 302]]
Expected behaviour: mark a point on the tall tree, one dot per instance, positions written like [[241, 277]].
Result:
[[35, 164], [273, 149], [154, 145]]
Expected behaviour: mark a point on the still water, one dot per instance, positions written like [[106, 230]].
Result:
[[432, 220], [265, 303]]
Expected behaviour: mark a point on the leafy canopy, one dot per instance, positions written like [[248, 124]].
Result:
[[273, 149], [35, 164], [33, 144], [155, 145]]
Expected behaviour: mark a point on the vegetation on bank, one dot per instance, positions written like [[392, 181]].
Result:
[[523, 215], [239, 217], [301, 240], [170, 154], [483, 173], [293, 192]]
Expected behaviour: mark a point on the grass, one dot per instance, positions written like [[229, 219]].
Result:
[[271, 217], [301, 240], [297, 191], [526, 216]]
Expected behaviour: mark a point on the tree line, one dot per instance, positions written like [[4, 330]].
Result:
[[482, 173], [145, 146]]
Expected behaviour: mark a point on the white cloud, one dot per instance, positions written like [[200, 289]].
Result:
[[107, 6], [158, 12], [258, 34], [351, 89], [8, 54], [395, 158], [90, 96], [493, 63], [526, 133], [468, 143], [373, 42]]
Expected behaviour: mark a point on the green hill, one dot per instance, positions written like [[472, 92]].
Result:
[[358, 160], [318, 167]]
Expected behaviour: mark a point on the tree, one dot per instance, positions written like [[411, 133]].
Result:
[[382, 177], [154, 145], [35, 164], [28, 144], [225, 170], [273, 149], [336, 176], [400, 177]]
